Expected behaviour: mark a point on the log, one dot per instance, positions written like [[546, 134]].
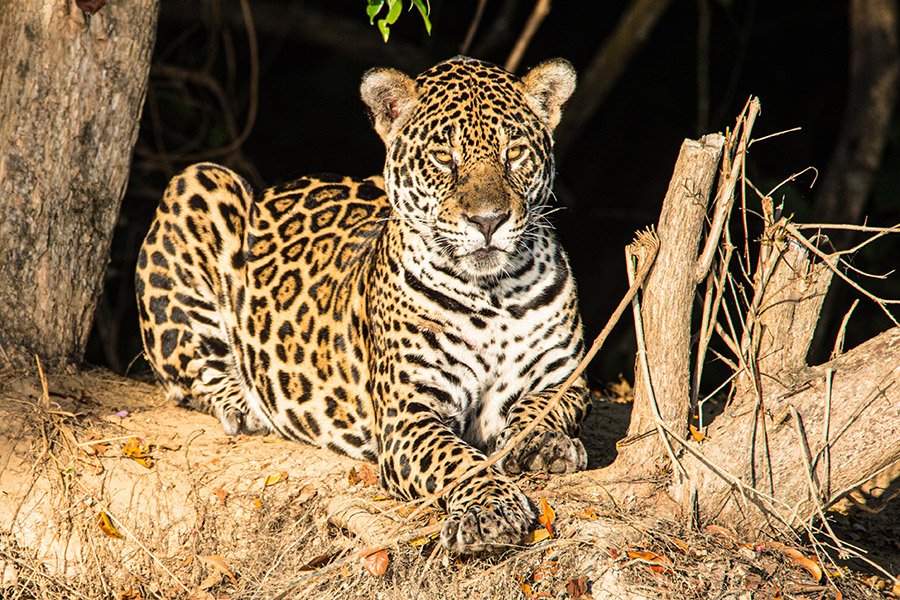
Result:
[[863, 438]]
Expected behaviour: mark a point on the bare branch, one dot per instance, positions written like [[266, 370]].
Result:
[[473, 27], [725, 194], [538, 14]]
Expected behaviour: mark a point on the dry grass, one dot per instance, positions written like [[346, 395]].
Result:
[[201, 523]]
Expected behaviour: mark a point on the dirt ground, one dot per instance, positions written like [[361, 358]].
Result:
[[107, 491]]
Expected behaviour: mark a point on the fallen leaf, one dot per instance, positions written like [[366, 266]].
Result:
[[799, 559], [275, 478], [106, 525], [353, 477], [367, 474], [201, 594], [576, 588], [718, 529], [135, 449], [257, 503], [130, 594], [589, 514], [698, 435], [307, 492], [538, 535], [319, 561], [548, 515], [376, 563], [621, 391], [219, 568], [94, 446], [221, 494], [682, 545], [655, 562], [421, 541]]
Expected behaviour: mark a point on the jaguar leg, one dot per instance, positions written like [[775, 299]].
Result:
[[553, 446]]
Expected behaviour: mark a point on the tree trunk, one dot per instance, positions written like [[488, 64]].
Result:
[[71, 91]]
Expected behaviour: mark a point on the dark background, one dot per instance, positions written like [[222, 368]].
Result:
[[308, 118]]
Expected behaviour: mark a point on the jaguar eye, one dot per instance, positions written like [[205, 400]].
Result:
[[442, 157], [514, 152]]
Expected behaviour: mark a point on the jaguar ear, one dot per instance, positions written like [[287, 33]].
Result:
[[389, 95], [547, 87]]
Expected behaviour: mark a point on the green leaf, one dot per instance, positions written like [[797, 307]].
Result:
[[373, 9], [385, 32], [395, 7], [424, 8]]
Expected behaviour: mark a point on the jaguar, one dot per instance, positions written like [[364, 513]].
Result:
[[418, 320]]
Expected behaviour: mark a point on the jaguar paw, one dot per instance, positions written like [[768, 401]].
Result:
[[236, 421], [502, 516], [543, 450]]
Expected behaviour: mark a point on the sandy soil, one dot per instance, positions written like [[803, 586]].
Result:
[[107, 491]]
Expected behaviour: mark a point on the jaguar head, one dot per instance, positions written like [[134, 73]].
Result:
[[469, 164]]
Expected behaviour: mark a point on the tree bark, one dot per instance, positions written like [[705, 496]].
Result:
[[788, 293], [72, 86]]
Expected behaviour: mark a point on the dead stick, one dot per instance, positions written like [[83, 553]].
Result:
[[881, 302], [725, 195], [538, 14], [814, 491]]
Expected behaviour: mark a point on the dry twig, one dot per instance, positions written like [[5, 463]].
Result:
[[473, 27], [538, 14]]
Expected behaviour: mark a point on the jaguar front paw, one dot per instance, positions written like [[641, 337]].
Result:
[[489, 516], [236, 420], [542, 450]]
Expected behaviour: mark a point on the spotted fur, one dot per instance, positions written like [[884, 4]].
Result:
[[418, 321]]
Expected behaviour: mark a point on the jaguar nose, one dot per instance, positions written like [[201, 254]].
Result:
[[488, 224]]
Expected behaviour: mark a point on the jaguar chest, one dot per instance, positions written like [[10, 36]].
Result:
[[475, 347]]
